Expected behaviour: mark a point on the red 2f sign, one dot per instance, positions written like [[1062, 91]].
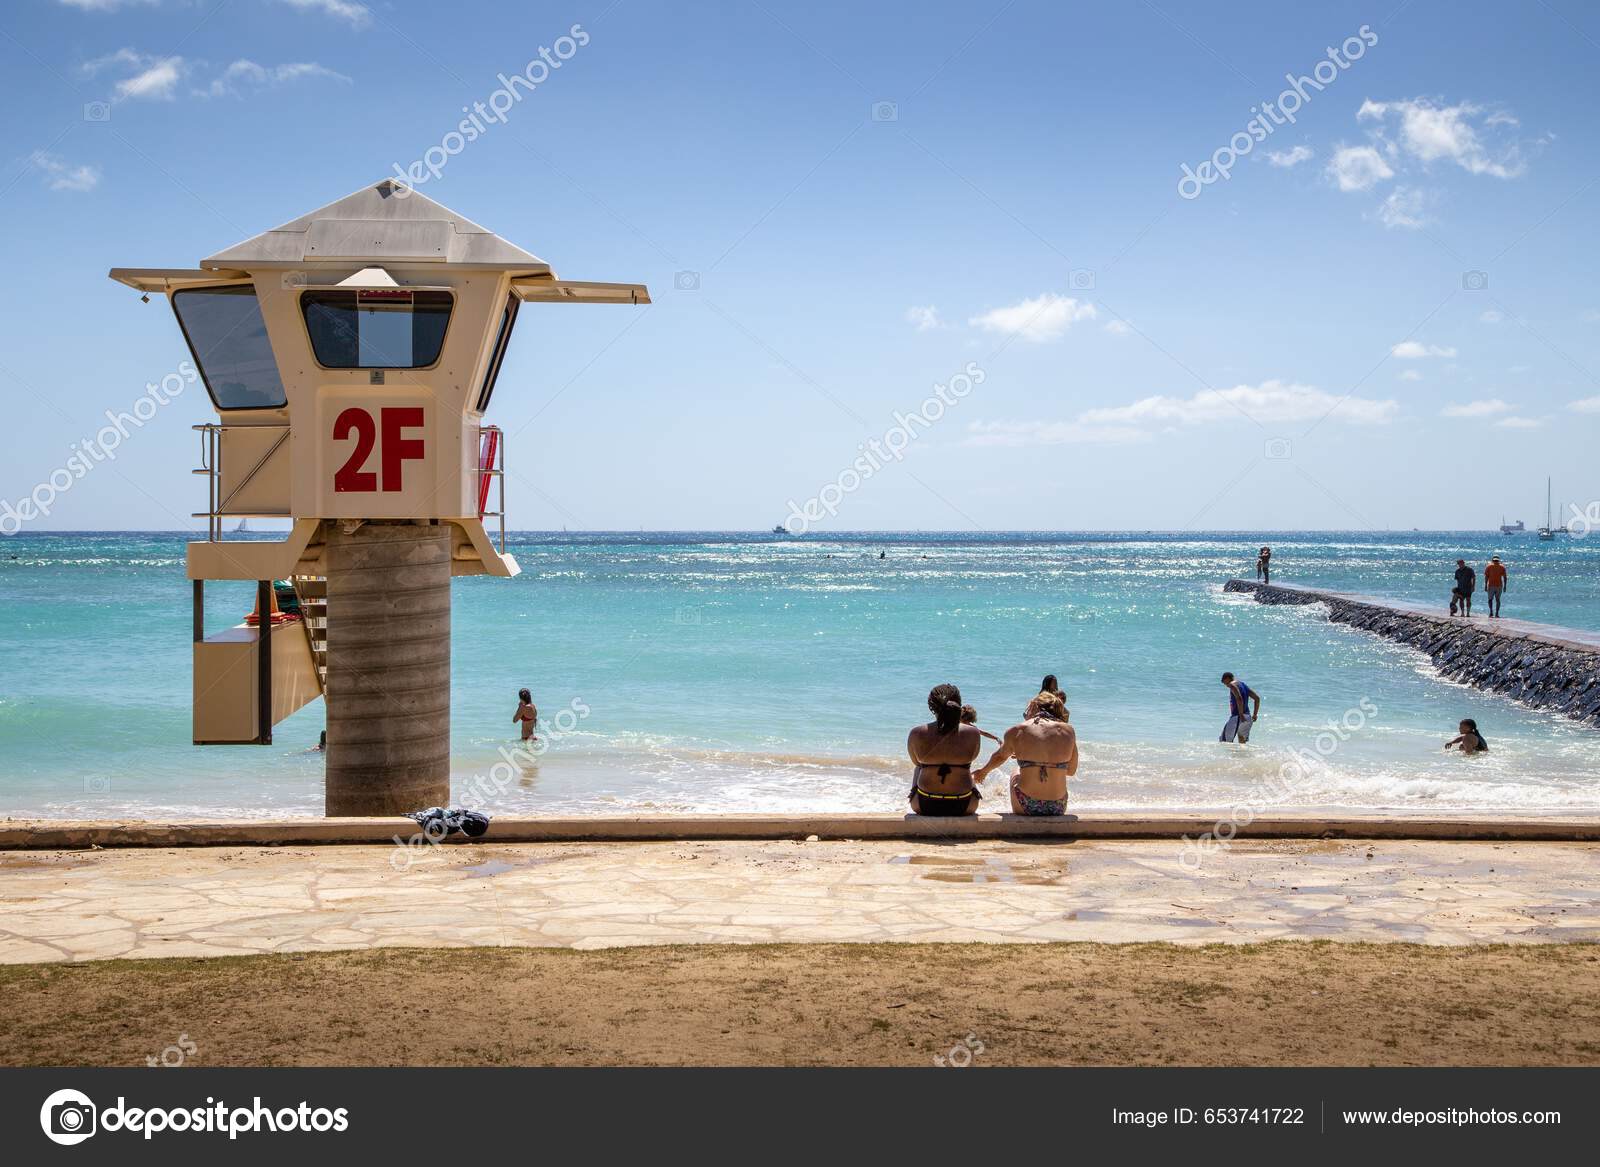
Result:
[[395, 449]]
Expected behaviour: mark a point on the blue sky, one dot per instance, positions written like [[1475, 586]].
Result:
[[1384, 317]]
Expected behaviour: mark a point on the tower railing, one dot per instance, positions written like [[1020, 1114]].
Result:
[[492, 472], [217, 507]]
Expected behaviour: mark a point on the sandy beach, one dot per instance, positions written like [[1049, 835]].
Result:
[[1279, 1004]]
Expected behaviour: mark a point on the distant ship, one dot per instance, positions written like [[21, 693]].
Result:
[[780, 529], [1515, 528]]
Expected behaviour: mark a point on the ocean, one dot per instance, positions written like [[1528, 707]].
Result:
[[715, 672]]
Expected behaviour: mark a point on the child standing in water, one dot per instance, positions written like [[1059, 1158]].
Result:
[[527, 713]]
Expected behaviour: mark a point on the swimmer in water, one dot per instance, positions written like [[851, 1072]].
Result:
[[527, 713], [1468, 740]]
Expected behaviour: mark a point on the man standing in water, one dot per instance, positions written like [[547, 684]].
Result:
[[1494, 582], [1241, 716]]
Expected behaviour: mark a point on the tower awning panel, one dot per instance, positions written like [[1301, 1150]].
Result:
[[536, 289], [168, 279]]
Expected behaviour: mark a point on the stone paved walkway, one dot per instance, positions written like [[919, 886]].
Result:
[[87, 905]]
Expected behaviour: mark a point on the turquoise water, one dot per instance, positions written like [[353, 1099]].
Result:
[[713, 672]]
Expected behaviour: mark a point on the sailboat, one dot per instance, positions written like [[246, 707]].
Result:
[[1548, 531], [243, 527]]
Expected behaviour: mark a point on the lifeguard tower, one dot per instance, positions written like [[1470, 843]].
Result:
[[352, 354]]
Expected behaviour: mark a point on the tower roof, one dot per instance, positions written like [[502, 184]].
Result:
[[385, 222]]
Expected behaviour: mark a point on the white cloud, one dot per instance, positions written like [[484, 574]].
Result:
[[1038, 319], [353, 14], [1288, 158], [1358, 168], [1430, 132], [1411, 350], [1491, 316], [1490, 408], [926, 319], [155, 82], [1271, 401], [1587, 405], [156, 78], [1118, 327], [150, 78], [243, 74], [1411, 375], [1274, 401], [1403, 208], [59, 174], [105, 5], [1518, 423], [120, 57]]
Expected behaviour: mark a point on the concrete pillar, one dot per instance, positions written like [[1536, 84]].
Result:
[[388, 690]]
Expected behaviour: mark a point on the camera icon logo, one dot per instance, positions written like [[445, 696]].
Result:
[[1279, 449], [97, 784], [68, 1117], [686, 281], [1475, 281], [1081, 279], [293, 279], [885, 111], [97, 111]]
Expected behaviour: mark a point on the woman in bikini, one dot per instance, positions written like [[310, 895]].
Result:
[[943, 752], [1469, 740], [1046, 749], [527, 713]]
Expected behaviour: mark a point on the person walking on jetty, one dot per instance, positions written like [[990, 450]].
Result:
[[1461, 594], [1494, 584], [1264, 565], [1241, 714]]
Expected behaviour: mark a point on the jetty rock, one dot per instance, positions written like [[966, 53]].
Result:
[[1538, 665]]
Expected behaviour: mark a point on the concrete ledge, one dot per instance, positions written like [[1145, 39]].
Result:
[[73, 835]]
